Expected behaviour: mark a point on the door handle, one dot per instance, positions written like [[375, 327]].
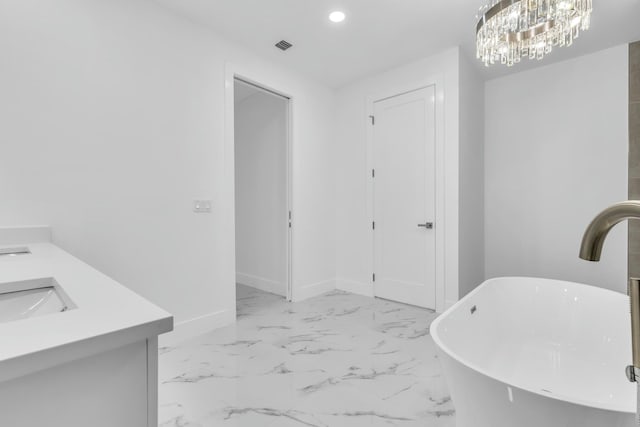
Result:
[[427, 225]]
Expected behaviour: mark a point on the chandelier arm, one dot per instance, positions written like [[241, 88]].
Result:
[[531, 32]]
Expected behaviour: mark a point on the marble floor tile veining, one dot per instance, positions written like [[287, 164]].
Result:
[[334, 360]]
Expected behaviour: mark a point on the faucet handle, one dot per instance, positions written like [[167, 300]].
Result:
[[634, 300], [632, 373]]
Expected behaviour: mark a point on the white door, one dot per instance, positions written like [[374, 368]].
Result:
[[404, 198]]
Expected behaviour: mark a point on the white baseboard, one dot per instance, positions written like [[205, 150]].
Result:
[[261, 283], [313, 290], [187, 329], [359, 288]]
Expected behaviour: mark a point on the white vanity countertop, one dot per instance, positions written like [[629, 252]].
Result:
[[107, 316]]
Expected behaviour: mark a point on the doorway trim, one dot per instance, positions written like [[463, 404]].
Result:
[[231, 74], [437, 81]]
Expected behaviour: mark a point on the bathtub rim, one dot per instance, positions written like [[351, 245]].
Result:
[[433, 331]]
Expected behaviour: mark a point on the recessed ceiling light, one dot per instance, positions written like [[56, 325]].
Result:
[[337, 16]]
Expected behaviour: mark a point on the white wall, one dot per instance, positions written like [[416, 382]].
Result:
[[471, 237], [354, 238], [113, 122], [556, 155], [261, 192]]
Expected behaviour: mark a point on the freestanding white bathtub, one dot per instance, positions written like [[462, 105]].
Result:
[[525, 352]]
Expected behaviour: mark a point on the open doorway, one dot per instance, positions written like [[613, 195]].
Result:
[[262, 201]]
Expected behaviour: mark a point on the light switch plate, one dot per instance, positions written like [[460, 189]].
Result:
[[202, 206]]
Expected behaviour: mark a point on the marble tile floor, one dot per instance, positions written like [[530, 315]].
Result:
[[335, 360]]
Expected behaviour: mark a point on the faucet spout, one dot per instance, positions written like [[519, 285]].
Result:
[[597, 231], [591, 249]]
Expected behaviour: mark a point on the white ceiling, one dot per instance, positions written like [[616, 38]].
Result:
[[380, 34]]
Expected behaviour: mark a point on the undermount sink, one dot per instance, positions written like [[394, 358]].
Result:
[[32, 298], [11, 252]]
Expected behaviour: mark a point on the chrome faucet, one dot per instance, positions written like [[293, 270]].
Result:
[[591, 249]]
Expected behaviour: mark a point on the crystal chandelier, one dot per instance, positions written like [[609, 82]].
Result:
[[508, 30]]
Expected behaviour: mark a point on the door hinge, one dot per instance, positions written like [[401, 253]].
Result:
[[289, 219], [374, 277], [373, 173], [373, 225], [373, 120]]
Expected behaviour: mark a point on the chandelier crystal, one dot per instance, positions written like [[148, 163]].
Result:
[[508, 30]]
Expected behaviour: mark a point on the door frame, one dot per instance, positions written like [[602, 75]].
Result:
[[437, 81], [231, 74]]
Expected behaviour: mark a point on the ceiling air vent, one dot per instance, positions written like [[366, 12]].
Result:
[[283, 45]]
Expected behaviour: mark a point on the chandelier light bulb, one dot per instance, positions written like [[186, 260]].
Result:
[[564, 5]]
